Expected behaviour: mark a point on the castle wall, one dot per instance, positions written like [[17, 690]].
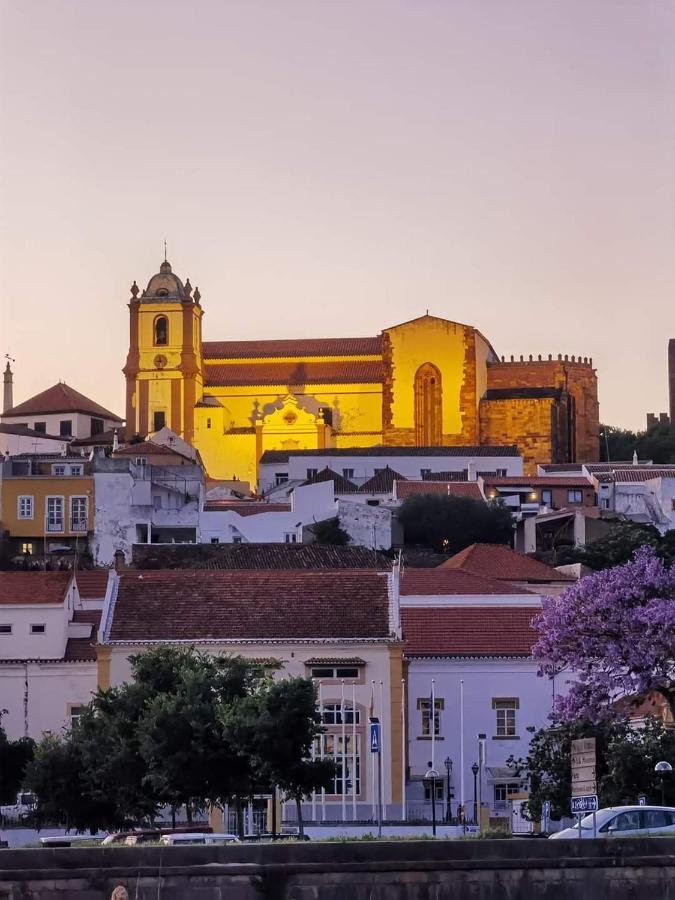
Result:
[[528, 423]]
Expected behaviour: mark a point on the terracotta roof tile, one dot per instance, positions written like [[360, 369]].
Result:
[[501, 562], [23, 431], [258, 556], [544, 481], [440, 581], [623, 476], [33, 587], [247, 605], [294, 347], [341, 485], [245, 507], [271, 456], [405, 489], [294, 373], [92, 583], [468, 631], [80, 650], [335, 661], [87, 616], [148, 448], [60, 398], [382, 482]]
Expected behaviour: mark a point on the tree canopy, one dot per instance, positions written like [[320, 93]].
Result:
[[656, 443], [615, 630], [14, 757], [182, 733], [619, 545], [449, 524]]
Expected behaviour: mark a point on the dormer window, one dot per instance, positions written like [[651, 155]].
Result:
[[161, 329]]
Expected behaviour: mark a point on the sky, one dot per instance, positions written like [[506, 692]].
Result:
[[322, 168]]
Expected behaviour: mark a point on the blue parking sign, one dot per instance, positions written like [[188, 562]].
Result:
[[374, 737]]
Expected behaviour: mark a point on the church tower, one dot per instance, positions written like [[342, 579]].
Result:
[[164, 364]]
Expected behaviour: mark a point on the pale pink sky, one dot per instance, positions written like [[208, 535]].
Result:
[[323, 168]]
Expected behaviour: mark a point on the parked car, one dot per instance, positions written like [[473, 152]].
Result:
[[145, 835], [624, 821], [197, 837], [24, 806]]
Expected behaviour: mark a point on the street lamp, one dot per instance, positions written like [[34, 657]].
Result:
[[431, 778], [448, 796], [663, 769], [475, 768]]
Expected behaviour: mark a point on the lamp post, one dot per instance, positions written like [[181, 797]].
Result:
[[431, 777], [474, 769], [448, 796], [663, 769]]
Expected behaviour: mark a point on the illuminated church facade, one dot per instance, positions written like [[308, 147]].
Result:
[[424, 383]]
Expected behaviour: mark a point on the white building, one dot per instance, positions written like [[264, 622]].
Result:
[[359, 464], [48, 624], [63, 411], [17, 439], [643, 494]]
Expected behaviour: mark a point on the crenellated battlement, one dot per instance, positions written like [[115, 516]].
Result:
[[575, 360]]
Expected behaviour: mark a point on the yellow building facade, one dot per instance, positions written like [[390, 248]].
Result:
[[427, 382]]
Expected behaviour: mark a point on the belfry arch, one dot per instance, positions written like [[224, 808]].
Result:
[[428, 406]]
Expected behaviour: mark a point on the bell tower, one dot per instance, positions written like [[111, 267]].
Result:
[[164, 365]]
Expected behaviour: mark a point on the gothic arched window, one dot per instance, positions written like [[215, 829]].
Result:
[[161, 331], [428, 406]]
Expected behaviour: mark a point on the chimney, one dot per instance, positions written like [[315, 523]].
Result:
[[8, 389], [116, 443], [119, 563], [471, 471], [635, 458]]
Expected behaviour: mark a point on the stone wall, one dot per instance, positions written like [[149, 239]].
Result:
[[405, 870]]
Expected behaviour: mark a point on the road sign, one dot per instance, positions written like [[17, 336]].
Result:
[[642, 800], [586, 804], [374, 737], [583, 767]]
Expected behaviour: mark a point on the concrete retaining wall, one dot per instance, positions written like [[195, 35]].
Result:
[[407, 870]]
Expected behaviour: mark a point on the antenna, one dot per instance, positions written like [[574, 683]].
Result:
[[9, 358]]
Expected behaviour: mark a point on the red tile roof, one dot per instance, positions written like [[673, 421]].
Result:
[[382, 482], [33, 587], [293, 348], [636, 474], [92, 584], [227, 605], [294, 373], [80, 650], [87, 616], [468, 631], [245, 507], [501, 562], [538, 481], [470, 489], [60, 398], [149, 448], [257, 556], [446, 582], [341, 485]]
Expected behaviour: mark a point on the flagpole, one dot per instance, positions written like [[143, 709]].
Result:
[[372, 755], [380, 759], [432, 722], [344, 749], [322, 746], [354, 750], [404, 806], [461, 745]]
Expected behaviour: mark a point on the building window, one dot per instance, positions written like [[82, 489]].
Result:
[[503, 790], [215, 540], [574, 496], [158, 420], [66, 427], [161, 331], [74, 713], [208, 423], [290, 537], [237, 539], [24, 507], [96, 426], [280, 478], [501, 473], [425, 473], [312, 473], [547, 497], [27, 548], [58, 470], [428, 406], [140, 461], [76, 470], [604, 503], [439, 789], [348, 473], [335, 671], [505, 710], [332, 714], [330, 746], [54, 518], [424, 706], [38, 629], [5, 628], [40, 427], [78, 514]]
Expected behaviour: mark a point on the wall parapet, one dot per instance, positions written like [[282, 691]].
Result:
[[565, 358]]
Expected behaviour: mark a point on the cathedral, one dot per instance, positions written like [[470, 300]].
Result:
[[424, 383]]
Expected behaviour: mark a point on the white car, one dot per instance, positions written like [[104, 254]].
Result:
[[197, 837], [624, 821]]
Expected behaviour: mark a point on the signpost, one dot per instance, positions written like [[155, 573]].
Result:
[[545, 814], [376, 747], [584, 786]]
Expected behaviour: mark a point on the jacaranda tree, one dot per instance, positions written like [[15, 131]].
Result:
[[615, 630]]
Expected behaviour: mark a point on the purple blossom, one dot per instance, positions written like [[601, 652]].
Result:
[[615, 630]]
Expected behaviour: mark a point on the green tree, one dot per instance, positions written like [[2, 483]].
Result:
[[448, 524], [277, 729], [656, 443], [14, 758], [330, 532], [618, 546]]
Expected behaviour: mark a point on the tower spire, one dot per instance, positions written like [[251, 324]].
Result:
[[8, 379], [165, 250]]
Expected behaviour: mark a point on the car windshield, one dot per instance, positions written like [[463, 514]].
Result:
[[600, 819]]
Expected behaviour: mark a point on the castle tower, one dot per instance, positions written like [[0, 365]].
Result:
[[7, 389], [164, 364]]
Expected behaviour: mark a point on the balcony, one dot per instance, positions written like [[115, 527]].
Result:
[[78, 526], [54, 526]]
